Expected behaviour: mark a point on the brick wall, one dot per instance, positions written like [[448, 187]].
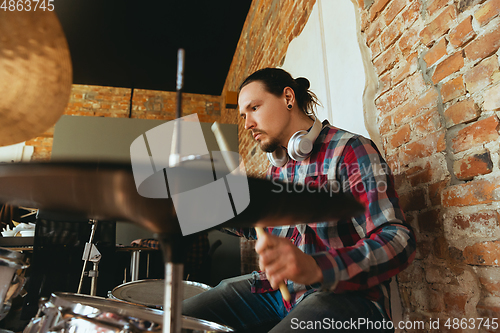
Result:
[[437, 110], [97, 101]]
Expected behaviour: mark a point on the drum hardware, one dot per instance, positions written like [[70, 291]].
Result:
[[134, 265], [66, 312], [90, 253], [12, 280]]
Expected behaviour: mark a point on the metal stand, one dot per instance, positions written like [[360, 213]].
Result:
[[172, 306], [134, 265], [90, 253]]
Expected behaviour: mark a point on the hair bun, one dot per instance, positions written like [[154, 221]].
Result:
[[303, 82]]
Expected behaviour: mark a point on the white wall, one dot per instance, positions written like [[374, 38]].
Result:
[[328, 54], [18, 152]]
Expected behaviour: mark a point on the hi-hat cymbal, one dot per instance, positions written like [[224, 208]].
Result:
[[35, 74], [108, 192]]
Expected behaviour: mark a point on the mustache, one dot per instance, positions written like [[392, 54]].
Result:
[[258, 131]]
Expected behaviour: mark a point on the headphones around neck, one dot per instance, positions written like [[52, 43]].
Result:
[[299, 148]]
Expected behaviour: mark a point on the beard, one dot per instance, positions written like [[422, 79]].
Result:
[[270, 146]]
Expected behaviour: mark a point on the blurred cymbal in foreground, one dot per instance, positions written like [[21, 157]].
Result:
[[35, 74]]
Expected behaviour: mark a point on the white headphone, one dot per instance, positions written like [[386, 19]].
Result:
[[299, 148]]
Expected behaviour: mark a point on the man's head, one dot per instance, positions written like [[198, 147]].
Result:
[[275, 106]]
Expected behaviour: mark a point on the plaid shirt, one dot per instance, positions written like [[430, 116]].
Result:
[[357, 255]]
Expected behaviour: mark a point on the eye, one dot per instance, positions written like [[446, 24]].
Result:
[[254, 108]]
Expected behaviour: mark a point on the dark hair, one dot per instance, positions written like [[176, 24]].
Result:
[[275, 80]]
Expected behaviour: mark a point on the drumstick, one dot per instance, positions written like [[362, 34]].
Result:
[[221, 141], [284, 290]]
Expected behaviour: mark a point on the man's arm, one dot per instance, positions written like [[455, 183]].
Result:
[[383, 244]]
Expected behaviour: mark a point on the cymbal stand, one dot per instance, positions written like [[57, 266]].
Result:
[[172, 306], [90, 253]]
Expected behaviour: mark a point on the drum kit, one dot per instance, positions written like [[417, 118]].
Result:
[[35, 82]]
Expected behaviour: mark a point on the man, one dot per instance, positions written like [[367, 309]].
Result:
[[338, 273]]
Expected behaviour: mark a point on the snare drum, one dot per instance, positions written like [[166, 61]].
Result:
[[66, 312], [150, 292], [11, 282]]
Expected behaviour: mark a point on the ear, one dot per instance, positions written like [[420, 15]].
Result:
[[289, 96]]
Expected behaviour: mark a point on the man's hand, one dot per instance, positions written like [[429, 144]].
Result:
[[281, 260]]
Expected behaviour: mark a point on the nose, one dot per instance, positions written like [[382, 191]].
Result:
[[249, 122]]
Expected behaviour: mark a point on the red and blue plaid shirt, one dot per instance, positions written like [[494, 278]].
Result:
[[357, 255]]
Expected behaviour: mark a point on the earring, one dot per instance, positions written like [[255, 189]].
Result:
[[289, 106]]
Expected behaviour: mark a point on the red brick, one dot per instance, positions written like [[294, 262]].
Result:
[[374, 30], [410, 88], [492, 99], [405, 68], [413, 201], [363, 18], [468, 167], [462, 33], [439, 26], [461, 112], [419, 175], [402, 136], [375, 48], [453, 89], [393, 9], [492, 287], [385, 82], [426, 123], [481, 75], [411, 14], [486, 218], [386, 60], [435, 192], [391, 33], [455, 303], [436, 52], [483, 46], [449, 66], [427, 146], [430, 221], [385, 125], [427, 101], [488, 11], [475, 192], [408, 40], [377, 7], [436, 5], [487, 253], [480, 132]]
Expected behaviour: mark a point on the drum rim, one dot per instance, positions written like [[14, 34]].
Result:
[[204, 286], [118, 306], [118, 290]]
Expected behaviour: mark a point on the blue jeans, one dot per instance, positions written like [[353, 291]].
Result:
[[232, 303]]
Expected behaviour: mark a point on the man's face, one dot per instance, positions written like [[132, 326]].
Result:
[[265, 114]]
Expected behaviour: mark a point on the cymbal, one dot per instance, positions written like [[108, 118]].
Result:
[[35, 74], [106, 191]]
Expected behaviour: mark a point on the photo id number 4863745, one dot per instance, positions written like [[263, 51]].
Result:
[[27, 5]]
